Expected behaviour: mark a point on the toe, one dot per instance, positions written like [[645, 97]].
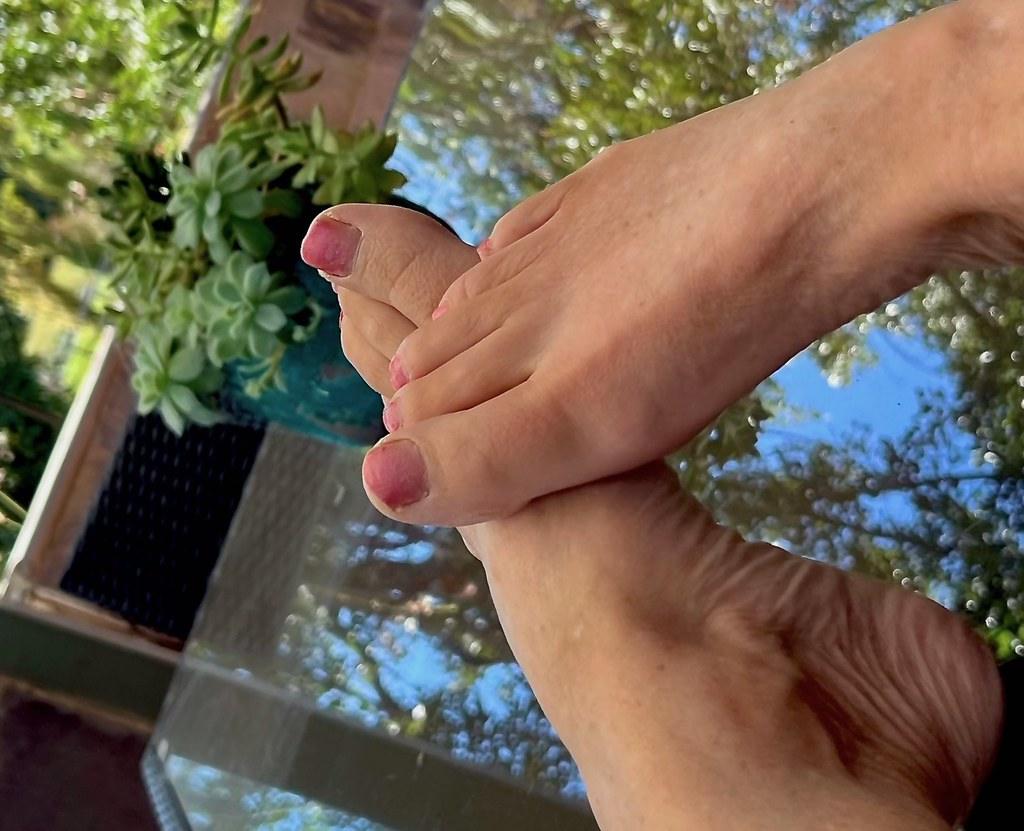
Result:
[[525, 218], [380, 324], [451, 334], [484, 371], [476, 465], [510, 264], [393, 255], [370, 363]]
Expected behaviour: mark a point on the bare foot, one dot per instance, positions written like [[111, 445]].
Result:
[[698, 680], [619, 311]]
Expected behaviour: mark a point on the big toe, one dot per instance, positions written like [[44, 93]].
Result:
[[395, 255], [479, 464]]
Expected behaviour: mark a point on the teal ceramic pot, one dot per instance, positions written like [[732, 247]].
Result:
[[322, 395]]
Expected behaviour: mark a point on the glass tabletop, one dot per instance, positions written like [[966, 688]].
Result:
[[348, 672]]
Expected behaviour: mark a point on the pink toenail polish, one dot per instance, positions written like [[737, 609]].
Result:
[[392, 417], [486, 247], [331, 246], [440, 311], [397, 373], [395, 473]]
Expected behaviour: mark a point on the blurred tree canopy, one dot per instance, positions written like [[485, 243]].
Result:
[[507, 96], [78, 79], [30, 415]]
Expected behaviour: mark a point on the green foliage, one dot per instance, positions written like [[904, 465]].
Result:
[[77, 80], [219, 201], [30, 415], [258, 78], [93, 105], [173, 377], [548, 88], [349, 168], [203, 249], [248, 314]]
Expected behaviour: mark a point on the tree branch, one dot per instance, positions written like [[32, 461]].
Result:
[[31, 411]]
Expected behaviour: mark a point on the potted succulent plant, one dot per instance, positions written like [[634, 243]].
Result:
[[225, 320]]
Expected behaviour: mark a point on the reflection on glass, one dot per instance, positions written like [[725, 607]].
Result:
[[218, 801], [393, 626], [324, 614]]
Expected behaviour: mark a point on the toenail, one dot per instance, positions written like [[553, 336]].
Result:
[[440, 311], [399, 377], [396, 474], [486, 247], [331, 246], [392, 417]]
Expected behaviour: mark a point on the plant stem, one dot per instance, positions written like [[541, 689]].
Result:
[[282, 113], [32, 411], [11, 509]]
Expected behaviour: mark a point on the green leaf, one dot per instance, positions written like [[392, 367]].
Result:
[[288, 298], [205, 417], [317, 125], [206, 162], [330, 192], [183, 398], [275, 53], [142, 380], [187, 229], [148, 399], [206, 292], [209, 381], [390, 180], [364, 186], [186, 364], [254, 237], [172, 417], [227, 292], [193, 409], [367, 141], [246, 204], [270, 318], [283, 202], [219, 249], [234, 179], [213, 203], [219, 352], [255, 280], [305, 176], [257, 44], [211, 228], [262, 344]]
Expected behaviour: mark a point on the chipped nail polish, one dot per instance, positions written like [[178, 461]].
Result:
[[332, 246], [392, 417], [397, 373], [396, 474]]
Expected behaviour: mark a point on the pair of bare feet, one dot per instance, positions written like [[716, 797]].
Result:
[[698, 680]]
